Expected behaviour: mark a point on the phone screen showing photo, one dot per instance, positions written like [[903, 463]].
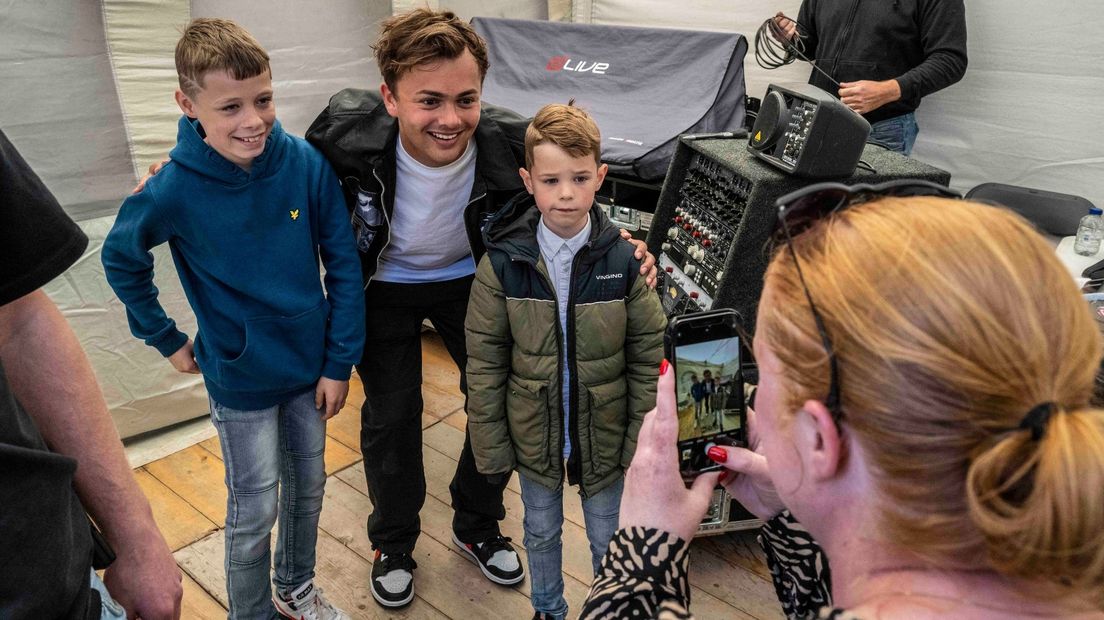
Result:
[[710, 390]]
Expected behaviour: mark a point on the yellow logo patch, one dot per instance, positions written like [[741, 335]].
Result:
[[295, 214], [758, 136]]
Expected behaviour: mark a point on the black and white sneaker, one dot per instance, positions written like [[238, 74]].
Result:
[[393, 579], [496, 557]]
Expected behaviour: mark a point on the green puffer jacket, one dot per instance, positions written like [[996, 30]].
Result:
[[515, 362]]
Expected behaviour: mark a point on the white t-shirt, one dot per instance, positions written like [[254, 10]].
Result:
[[429, 242]]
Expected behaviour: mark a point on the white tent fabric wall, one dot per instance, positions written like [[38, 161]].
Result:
[[742, 17], [87, 98], [1027, 112]]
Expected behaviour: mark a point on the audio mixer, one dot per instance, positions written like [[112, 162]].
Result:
[[716, 213], [711, 204]]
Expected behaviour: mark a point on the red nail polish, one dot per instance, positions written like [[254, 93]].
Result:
[[717, 454], [663, 366]]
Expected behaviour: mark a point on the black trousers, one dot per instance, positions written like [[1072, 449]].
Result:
[[391, 417]]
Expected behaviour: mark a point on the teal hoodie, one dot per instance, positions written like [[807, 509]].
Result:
[[246, 247]]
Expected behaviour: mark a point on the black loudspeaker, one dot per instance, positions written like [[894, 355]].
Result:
[[716, 214], [807, 132]]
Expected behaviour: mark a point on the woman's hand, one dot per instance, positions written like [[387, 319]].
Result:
[[655, 495], [748, 476]]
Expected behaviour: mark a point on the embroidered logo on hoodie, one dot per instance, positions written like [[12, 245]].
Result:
[[295, 214]]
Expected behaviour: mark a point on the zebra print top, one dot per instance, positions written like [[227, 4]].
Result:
[[644, 575]]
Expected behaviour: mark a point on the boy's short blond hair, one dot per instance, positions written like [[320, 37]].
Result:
[[566, 126], [424, 36], [212, 44]]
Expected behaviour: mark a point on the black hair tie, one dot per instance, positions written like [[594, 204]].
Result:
[[1036, 419]]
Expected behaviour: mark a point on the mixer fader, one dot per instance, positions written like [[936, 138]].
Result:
[[711, 203], [716, 213]]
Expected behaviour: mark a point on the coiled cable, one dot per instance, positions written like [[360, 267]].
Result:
[[772, 53]]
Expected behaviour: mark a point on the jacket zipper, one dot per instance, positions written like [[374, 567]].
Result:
[[467, 232], [843, 40], [386, 218], [574, 387]]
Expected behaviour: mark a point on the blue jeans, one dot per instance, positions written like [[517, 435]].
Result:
[[896, 134], [273, 460], [109, 609], [543, 529]]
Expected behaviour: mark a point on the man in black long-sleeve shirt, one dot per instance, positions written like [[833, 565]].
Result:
[[886, 55]]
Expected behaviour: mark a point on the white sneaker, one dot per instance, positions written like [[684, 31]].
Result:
[[307, 603]]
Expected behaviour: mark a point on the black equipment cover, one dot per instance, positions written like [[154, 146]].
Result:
[[643, 86]]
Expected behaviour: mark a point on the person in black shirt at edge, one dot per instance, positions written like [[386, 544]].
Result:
[[956, 467], [59, 452], [886, 55]]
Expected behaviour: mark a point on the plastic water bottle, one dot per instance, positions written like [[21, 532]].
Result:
[[1089, 233]]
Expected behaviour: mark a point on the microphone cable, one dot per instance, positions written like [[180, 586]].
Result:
[[771, 53]]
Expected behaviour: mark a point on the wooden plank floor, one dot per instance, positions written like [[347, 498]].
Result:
[[188, 496]]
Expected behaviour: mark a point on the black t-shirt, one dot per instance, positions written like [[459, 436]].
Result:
[[45, 544]]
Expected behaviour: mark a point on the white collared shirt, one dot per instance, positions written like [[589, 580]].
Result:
[[559, 257]]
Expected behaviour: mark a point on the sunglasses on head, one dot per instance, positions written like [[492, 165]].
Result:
[[800, 210]]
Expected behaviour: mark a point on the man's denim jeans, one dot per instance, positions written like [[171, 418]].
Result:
[[896, 134], [543, 538], [109, 609], [273, 460]]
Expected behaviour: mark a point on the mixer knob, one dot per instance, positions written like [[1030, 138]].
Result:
[[666, 247], [690, 270], [672, 233]]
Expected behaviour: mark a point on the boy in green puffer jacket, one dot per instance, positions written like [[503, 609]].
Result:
[[564, 342]]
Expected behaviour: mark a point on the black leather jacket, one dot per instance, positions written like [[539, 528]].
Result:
[[920, 43], [357, 136]]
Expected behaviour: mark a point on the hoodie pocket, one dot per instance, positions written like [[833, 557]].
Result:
[[608, 410], [281, 352], [530, 422]]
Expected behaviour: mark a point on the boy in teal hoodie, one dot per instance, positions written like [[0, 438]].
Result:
[[248, 211]]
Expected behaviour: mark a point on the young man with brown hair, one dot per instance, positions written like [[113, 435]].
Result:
[[424, 163]]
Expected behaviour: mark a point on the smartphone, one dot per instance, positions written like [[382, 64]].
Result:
[[705, 351]]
